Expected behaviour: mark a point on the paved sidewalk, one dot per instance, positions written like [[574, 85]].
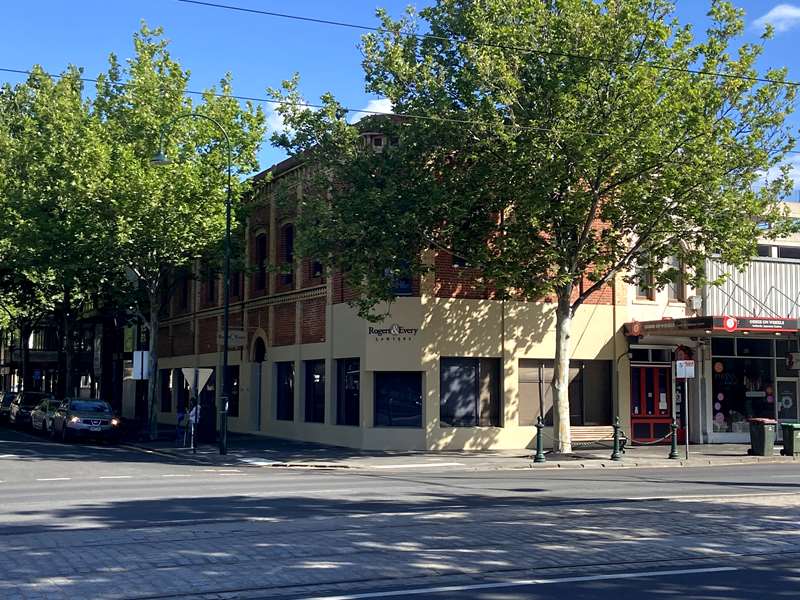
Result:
[[264, 451]]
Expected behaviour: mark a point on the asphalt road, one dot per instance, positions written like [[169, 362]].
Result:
[[747, 580], [152, 527]]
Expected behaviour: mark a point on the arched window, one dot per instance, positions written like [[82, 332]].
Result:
[[286, 253], [260, 262]]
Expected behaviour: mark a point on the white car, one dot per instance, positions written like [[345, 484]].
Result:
[[42, 415]]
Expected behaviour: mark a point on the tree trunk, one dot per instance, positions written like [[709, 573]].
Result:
[[69, 349], [27, 379], [152, 379], [563, 440]]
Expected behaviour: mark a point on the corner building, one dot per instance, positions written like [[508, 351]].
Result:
[[452, 368]]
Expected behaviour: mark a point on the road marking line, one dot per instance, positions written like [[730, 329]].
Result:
[[176, 475], [418, 465], [8, 455], [519, 583], [116, 477], [55, 479], [222, 470]]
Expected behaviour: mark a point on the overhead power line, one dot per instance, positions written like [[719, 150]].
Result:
[[348, 109], [521, 49], [344, 108]]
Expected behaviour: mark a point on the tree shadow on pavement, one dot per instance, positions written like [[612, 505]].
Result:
[[277, 541]]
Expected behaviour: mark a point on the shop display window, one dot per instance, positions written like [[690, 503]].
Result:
[[742, 388]]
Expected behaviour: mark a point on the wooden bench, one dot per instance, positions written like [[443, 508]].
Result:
[[594, 434]]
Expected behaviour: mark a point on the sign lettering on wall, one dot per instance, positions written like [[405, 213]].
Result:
[[392, 333]]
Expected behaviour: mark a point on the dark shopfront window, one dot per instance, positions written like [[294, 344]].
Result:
[[590, 401], [398, 399], [285, 391], [166, 390], [348, 384], [315, 391], [232, 384], [469, 392], [743, 384]]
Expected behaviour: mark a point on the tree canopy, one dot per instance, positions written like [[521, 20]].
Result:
[[545, 142]]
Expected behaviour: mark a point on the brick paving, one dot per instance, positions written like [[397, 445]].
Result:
[[269, 557]]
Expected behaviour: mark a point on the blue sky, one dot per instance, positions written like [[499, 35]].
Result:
[[262, 51]]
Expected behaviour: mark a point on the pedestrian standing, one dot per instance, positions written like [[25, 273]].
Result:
[[194, 419]]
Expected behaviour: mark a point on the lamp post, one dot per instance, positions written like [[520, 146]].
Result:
[[160, 158]]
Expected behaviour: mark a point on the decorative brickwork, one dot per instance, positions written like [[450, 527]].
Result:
[[312, 326], [285, 319]]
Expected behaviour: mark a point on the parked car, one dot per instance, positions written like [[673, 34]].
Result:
[[22, 405], [5, 404], [42, 415], [85, 418]]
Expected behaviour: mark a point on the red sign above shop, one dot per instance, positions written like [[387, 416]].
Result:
[[702, 326], [729, 324], [769, 324]]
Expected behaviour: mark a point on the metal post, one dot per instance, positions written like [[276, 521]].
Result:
[[686, 417], [539, 457], [224, 384], [673, 451], [615, 452], [226, 309]]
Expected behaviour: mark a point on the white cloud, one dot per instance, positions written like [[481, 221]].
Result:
[[275, 122], [376, 105], [783, 18]]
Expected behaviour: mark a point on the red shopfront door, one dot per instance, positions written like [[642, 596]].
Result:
[[651, 402]]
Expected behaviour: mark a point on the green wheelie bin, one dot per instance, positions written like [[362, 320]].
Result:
[[791, 439], [762, 437]]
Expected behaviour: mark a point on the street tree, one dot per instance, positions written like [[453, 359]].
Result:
[[167, 217], [557, 146], [52, 189]]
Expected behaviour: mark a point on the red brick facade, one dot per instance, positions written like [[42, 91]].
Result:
[[312, 326], [182, 339], [285, 320], [341, 291], [207, 335], [458, 282], [272, 269], [164, 344], [285, 278], [311, 273]]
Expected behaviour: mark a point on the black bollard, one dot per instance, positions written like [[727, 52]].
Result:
[[539, 458], [615, 452], [673, 451]]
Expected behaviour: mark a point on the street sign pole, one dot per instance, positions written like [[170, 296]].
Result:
[[686, 418]]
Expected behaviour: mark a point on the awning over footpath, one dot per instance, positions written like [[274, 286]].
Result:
[[704, 326]]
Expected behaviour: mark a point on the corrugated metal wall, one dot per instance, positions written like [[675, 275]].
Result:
[[767, 288]]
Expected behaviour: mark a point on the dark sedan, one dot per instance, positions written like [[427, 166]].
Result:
[[22, 405], [85, 418], [5, 404]]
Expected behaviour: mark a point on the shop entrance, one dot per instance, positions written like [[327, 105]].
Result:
[[651, 402]]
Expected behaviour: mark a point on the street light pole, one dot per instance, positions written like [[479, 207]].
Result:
[[160, 159]]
